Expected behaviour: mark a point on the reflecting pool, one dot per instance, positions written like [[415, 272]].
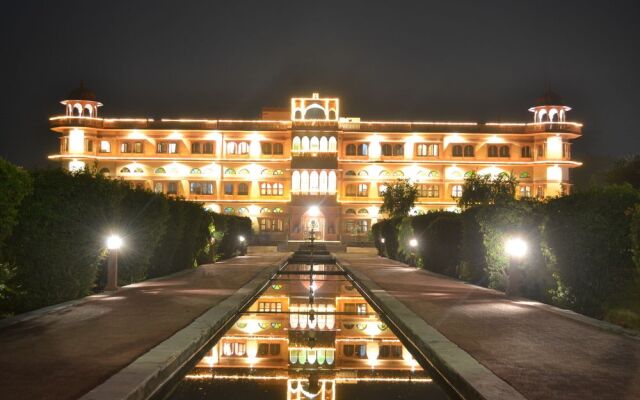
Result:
[[309, 335]]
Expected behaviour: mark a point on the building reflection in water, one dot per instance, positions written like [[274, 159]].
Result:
[[312, 333]]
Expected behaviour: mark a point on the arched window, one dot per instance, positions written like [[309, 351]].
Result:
[[264, 210], [468, 174], [398, 173], [88, 111], [363, 211], [196, 171], [77, 110], [243, 210], [456, 191], [315, 112], [278, 172], [524, 175], [278, 149], [324, 188], [553, 113], [314, 181], [468, 151], [297, 145], [504, 151], [492, 151], [278, 210], [243, 189], [243, 172], [231, 147], [525, 152], [295, 181], [265, 172], [456, 174], [350, 211], [324, 144], [105, 171], [350, 173], [314, 144], [541, 115], [332, 114], [138, 170], [332, 182], [229, 171], [160, 170], [363, 173], [297, 115], [385, 173], [333, 144], [351, 149], [457, 150], [363, 149], [434, 174], [304, 181], [228, 210], [125, 170], [305, 143]]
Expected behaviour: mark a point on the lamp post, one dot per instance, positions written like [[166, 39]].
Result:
[[114, 242], [516, 248], [243, 245], [413, 243]]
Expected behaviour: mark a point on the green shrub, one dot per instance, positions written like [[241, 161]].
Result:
[[588, 237], [473, 264], [440, 244], [15, 184]]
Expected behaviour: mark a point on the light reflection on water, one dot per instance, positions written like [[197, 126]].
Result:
[[308, 337]]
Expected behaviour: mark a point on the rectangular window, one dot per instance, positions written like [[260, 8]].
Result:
[[425, 190], [173, 148], [427, 150], [195, 148], [271, 306], [363, 190], [228, 188], [540, 191], [271, 224], [105, 147], [540, 150], [356, 226], [361, 309], [525, 191], [125, 148], [88, 145], [566, 150], [161, 147], [138, 147], [207, 148], [205, 188], [158, 187], [525, 152], [172, 188]]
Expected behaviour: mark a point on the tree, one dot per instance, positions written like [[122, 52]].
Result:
[[399, 198], [485, 189], [626, 170], [15, 184]]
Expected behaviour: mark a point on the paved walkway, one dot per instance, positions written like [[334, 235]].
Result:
[[542, 352], [66, 353]]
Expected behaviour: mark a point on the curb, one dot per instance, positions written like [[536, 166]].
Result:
[[145, 376], [469, 378]]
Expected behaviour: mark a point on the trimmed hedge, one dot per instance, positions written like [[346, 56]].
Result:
[[56, 250], [584, 249]]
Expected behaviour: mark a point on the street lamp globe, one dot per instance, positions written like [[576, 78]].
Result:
[[516, 247], [114, 242], [413, 243], [382, 240], [241, 239]]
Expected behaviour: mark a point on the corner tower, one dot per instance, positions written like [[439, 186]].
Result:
[[81, 102], [549, 108]]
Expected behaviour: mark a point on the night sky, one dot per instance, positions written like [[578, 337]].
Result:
[[442, 60]]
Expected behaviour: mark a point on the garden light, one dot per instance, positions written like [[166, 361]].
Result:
[[516, 247], [413, 243], [114, 242], [241, 239]]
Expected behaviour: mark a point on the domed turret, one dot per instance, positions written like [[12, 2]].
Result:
[[81, 102], [549, 108]]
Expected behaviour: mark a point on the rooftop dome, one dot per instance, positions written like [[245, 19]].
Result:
[[549, 98], [82, 93]]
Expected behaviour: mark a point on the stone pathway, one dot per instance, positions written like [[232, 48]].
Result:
[[542, 352], [65, 353]]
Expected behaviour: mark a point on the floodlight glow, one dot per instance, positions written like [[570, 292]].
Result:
[[516, 247], [314, 211], [413, 243], [114, 242]]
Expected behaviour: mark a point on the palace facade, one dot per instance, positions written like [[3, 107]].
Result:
[[307, 166]]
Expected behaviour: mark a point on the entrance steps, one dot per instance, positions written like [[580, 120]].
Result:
[[331, 247]]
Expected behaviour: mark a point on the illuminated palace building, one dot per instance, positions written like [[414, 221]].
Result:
[[308, 166]]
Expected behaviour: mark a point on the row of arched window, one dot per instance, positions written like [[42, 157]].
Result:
[[77, 110], [315, 144], [245, 210], [245, 172], [313, 182], [396, 173], [362, 211]]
